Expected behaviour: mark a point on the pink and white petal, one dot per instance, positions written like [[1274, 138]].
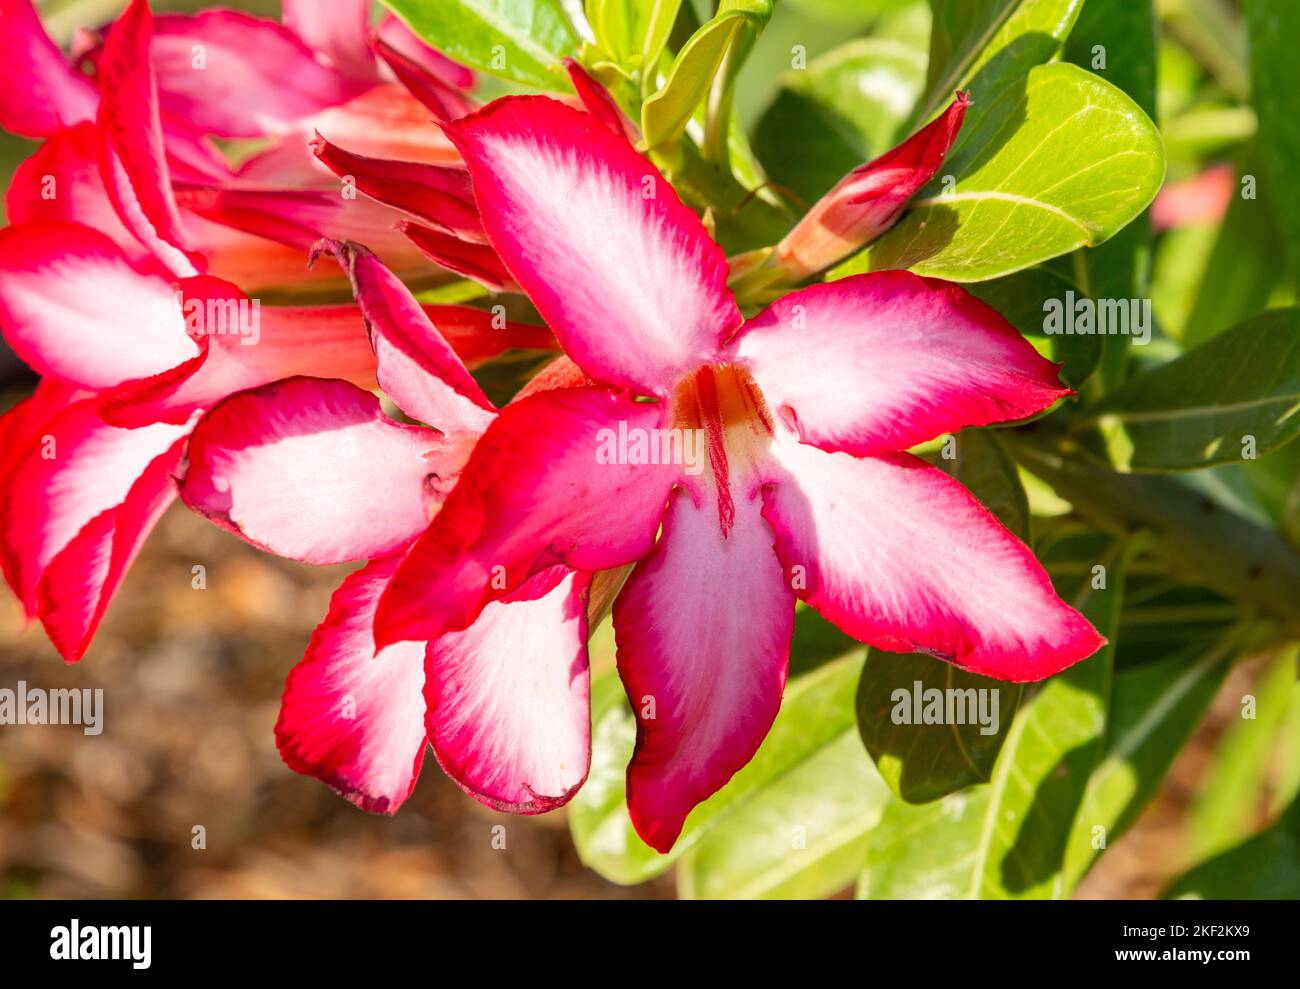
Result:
[[880, 362], [339, 31], [77, 468], [537, 491], [620, 269], [43, 91], [312, 470], [397, 36], [134, 154], [350, 718], [416, 365], [703, 629], [23, 429], [437, 194], [61, 183], [235, 75], [899, 555], [76, 588], [73, 306], [314, 341], [509, 701]]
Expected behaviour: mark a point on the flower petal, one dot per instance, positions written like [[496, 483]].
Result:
[[437, 194], [417, 367], [509, 708], [463, 256], [76, 588], [298, 466], [880, 362], [43, 91], [703, 628], [235, 75], [61, 183], [533, 494], [75, 470], [72, 305], [340, 31], [901, 556], [349, 717], [134, 161], [625, 275], [273, 342]]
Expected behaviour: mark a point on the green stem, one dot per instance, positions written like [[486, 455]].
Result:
[[1198, 540]]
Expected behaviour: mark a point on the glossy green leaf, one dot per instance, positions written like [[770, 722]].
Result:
[[1231, 399], [1245, 266], [1116, 39], [1006, 839], [1063, 161], [523, 40], [984, 45], [803, 836], [633, 32], [1154, 709], [1275, 81], [1234, 790], [816, 712], [1267, 867], [1024, 299], [665, 115]]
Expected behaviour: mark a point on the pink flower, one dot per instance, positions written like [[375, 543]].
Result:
[[162, 85], [801, 492], [312, 470], [104, 293]]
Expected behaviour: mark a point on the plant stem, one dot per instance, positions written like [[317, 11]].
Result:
[[1198, 540]]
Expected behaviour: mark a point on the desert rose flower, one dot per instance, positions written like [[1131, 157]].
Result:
[[740, 465], [312, 470]]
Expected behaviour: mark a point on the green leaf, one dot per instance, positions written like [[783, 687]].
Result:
[[1117, 40], [1233, 793], [1228, 400], [633, 32], [1267, 867], [816, 712], [1023, 300], [1007, 839], [1154, 709], [1063, 161], [664, 115], [984, 45], [1247, 263], [1275, 77], [803, 836], [523, 40]]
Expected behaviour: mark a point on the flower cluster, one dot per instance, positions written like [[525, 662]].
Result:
[[693, 470]]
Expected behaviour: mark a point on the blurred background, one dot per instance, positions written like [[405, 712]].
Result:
[[192, 678]]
